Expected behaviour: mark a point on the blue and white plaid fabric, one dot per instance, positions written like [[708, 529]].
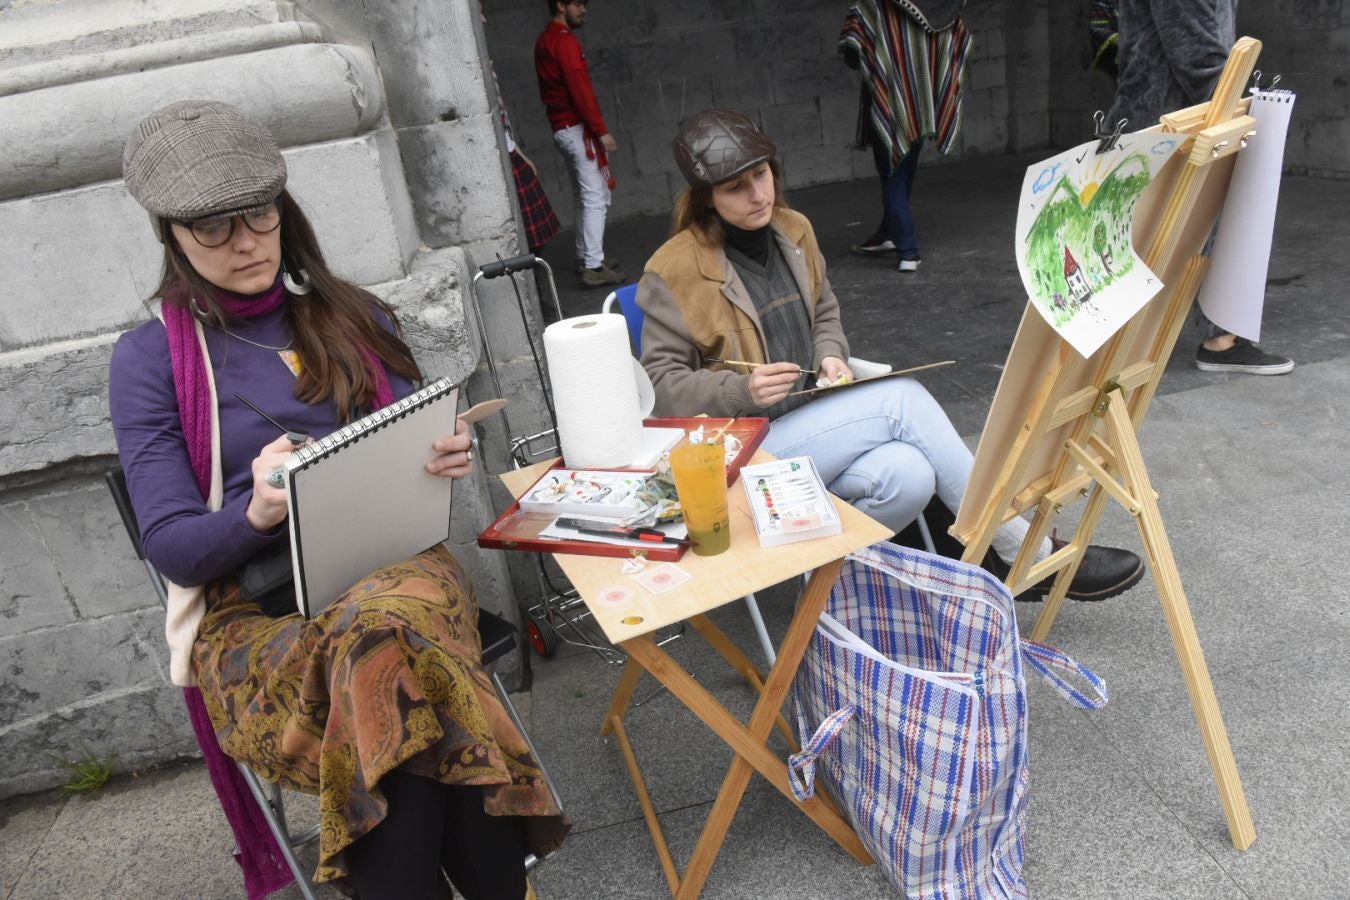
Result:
[[913, 686]]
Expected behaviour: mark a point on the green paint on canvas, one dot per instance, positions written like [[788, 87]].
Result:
[[1094, 226]]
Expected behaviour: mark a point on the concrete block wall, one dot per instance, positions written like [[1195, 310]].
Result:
[[1028, 85], [1074, 93], [1306, 43], [654, 64]]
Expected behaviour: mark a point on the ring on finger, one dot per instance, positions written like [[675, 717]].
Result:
[[277, 478], [468, 455]]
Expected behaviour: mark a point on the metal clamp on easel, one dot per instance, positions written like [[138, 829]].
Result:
[[1106, 140], [1256, 82]]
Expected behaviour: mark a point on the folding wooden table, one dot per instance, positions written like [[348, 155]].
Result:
[[745, 568]]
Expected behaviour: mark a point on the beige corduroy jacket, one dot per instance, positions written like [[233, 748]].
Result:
[[696, 306]]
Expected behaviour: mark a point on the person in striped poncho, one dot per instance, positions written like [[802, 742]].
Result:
[[911, 59]]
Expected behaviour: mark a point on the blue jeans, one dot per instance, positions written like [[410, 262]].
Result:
[[897, 222], [886, 448]]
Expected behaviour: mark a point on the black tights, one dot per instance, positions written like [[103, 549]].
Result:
[[429, 827]]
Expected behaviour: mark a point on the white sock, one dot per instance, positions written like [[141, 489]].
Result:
[[1008, 541]]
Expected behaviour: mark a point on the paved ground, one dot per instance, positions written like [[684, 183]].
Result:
[[1253, 487]]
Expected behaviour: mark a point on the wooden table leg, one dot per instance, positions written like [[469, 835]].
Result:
[[623, 695], [648, 808], [749, 740], [741, 663]]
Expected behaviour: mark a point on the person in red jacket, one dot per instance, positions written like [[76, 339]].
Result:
[[581, 134]]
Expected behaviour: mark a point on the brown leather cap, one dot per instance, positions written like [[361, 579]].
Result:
[[718, 144]]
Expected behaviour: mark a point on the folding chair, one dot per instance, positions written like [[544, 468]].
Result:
[[497, 636], [625, 298]]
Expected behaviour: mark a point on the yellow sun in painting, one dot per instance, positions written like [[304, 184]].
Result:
[[1089, 190]]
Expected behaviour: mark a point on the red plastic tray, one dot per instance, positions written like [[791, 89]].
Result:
[[516, 529], [750, 432]]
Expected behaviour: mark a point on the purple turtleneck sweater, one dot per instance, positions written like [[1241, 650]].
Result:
[[184, 540]]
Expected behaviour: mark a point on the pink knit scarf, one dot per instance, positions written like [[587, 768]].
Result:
[[259, 855], [189, 369]]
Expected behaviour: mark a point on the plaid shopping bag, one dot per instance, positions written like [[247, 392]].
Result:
[[913, 685]]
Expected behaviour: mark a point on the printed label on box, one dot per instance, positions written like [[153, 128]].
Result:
[[789, 502]]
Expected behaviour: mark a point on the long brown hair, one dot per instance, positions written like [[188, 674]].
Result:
[[694, 210], [331, 324]]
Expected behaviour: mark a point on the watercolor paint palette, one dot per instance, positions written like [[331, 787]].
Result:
[[586, 492], [789, 502]]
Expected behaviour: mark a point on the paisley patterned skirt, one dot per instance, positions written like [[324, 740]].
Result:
[[387, 677]]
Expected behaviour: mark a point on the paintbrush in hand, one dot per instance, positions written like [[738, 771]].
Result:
[[752, 365]]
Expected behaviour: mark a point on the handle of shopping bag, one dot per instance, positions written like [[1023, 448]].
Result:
[[803, 765], [1046, 660], [500, 267]]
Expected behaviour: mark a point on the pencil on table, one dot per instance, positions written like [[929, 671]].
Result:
[[742, 362]]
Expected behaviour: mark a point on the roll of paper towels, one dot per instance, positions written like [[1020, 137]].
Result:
[[599, 390]]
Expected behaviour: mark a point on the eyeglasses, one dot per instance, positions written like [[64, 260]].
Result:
[[216, 230]]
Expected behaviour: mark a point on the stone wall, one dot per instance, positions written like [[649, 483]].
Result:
[[1028, 83], [654, 64], [1305, 43], [386, 119]]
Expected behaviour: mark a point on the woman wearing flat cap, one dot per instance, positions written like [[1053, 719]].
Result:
[[378, 704], [742, 278]]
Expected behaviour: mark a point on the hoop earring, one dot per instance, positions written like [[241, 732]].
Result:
[[197, 310], [299, 288]]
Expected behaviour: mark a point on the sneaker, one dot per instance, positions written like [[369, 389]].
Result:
[[601, 277], [908, 265], [1243, 356], [1104, 572], [579, 265], [876, 245]]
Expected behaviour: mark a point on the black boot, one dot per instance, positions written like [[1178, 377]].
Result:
[[1104, 572]]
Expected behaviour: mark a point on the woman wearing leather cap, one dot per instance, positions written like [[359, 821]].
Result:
[[378, 704], [742, 278]]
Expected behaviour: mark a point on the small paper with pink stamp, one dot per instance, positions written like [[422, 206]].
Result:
[[808, 522], [616, 595], [662, 578]]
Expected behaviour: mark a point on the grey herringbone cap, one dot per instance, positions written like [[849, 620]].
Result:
[[718, 144], [197, 158]]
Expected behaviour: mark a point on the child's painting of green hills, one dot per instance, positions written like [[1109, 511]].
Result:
[[1074, 243]]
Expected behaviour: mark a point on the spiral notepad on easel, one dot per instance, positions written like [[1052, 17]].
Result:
[[361, 497]]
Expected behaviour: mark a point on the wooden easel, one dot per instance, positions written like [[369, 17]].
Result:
[[1062, 426]]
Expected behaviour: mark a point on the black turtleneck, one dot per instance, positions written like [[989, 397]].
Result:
[[753, 244]]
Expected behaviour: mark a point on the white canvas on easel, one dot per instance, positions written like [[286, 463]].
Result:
[[361, 498]]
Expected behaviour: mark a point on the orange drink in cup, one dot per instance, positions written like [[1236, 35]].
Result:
[[701, 482]]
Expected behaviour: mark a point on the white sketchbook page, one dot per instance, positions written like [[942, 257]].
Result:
[[369, 504], [1234, 292], [1074, 239]]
